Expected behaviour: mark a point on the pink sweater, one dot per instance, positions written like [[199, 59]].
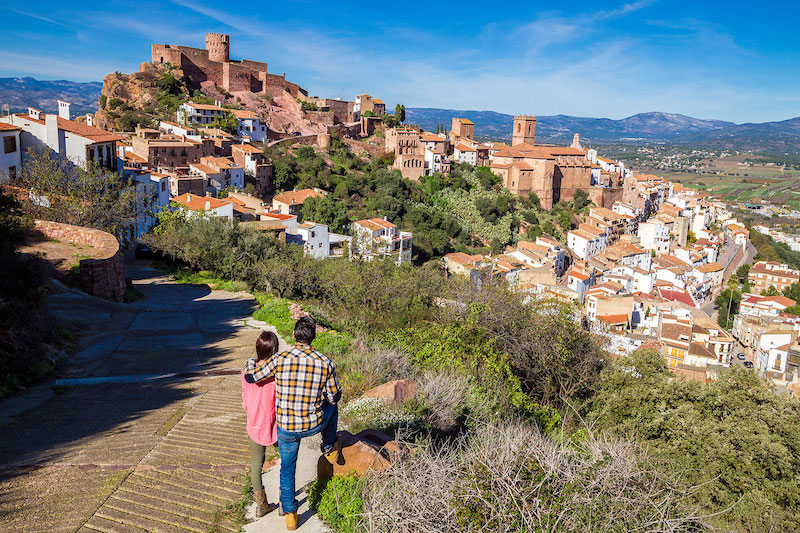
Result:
[[258, 401]]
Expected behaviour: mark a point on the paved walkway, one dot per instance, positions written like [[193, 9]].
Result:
[[142, 430]]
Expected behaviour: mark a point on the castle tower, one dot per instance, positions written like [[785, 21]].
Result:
[[218, 46], [524, 130]]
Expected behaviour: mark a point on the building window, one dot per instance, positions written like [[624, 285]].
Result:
[[10, 144]]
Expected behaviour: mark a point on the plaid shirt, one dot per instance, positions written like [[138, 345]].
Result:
[[303, 376]]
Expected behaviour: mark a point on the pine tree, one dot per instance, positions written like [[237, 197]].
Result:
[[398, 113]]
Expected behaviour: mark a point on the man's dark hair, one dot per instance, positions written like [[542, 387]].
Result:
[[305, 329]]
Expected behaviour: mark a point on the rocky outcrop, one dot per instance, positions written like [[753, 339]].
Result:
[[127, 100], [394, 392], [366, 450]]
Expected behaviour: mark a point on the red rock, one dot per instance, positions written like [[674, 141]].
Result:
[[367, 450], [395, 392]]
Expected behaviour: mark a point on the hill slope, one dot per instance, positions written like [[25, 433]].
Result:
[[20, 93]]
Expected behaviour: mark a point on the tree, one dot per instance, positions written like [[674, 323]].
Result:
[[496, 246], [728, 304], [580, 199], [770, 291], [228, 123], [95, 197], [398, 113], [402, 116], [565, 220]]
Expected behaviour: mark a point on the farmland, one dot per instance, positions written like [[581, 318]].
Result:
[[734, 176]]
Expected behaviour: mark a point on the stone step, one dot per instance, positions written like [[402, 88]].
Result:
[[104, 525], [192, 515], [109, 512], [166, 518], [199, 497]]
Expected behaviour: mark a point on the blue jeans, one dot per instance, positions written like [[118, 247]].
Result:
[[288, 445]]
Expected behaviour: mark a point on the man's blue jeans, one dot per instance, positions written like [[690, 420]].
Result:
[[288, 445]]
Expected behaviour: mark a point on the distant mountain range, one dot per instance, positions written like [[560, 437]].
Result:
[[21, 93], [783, 136], [654, 127]]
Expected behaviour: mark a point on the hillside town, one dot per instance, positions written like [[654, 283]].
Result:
[[642, 265]]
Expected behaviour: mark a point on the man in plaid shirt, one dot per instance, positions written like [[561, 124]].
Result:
[[306, 393]]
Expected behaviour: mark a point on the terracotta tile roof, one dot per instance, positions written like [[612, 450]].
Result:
[[676, 295], [199, 203], [205, 169], [375, 224], [215, 132], [711, 267], [465, 148], [465, 121], [207, 107], [78, 128], [296, 197], [781, 300], [377, 101], [8, 127], [278, 216], [248, 148], [565, 150], [613, 320], [464, 259], [243, 114]]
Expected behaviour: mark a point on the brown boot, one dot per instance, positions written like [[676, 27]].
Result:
[[333, 454], [291, 521], [262, 505]]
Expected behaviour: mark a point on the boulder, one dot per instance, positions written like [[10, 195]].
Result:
[[366, 450], [394, 392]]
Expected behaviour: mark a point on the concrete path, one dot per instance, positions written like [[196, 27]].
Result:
[[142, 429]]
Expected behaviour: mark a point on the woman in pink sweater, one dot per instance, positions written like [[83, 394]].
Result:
[[258, 401]]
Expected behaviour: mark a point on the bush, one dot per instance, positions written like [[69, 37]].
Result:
[[375, 413], [509, 477], [339, 502], [734, 436]]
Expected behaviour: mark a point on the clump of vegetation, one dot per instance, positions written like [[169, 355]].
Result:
[[510, 477], [734, 437], [308, 106], [376, 413], [339, 502]]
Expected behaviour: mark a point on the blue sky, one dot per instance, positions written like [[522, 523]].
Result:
[[732, 60]]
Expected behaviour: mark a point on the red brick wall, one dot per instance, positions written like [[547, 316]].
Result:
[[102, 275]]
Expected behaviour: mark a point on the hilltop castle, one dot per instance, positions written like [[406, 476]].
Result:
[[214, 64]]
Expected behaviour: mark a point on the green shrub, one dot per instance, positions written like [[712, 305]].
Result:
[[339, 503]]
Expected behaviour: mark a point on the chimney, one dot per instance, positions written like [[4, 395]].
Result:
[[34, 113], [208, 205], [89, 119], [63, 109], [217, 103], [189, 197], [51, 136], [576, 141]]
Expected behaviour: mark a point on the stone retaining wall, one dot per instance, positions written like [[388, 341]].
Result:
[[101, 275]]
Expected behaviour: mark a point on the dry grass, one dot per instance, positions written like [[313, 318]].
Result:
[[511, 478]]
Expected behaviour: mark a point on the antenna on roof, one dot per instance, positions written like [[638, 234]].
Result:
[[6, 108]]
